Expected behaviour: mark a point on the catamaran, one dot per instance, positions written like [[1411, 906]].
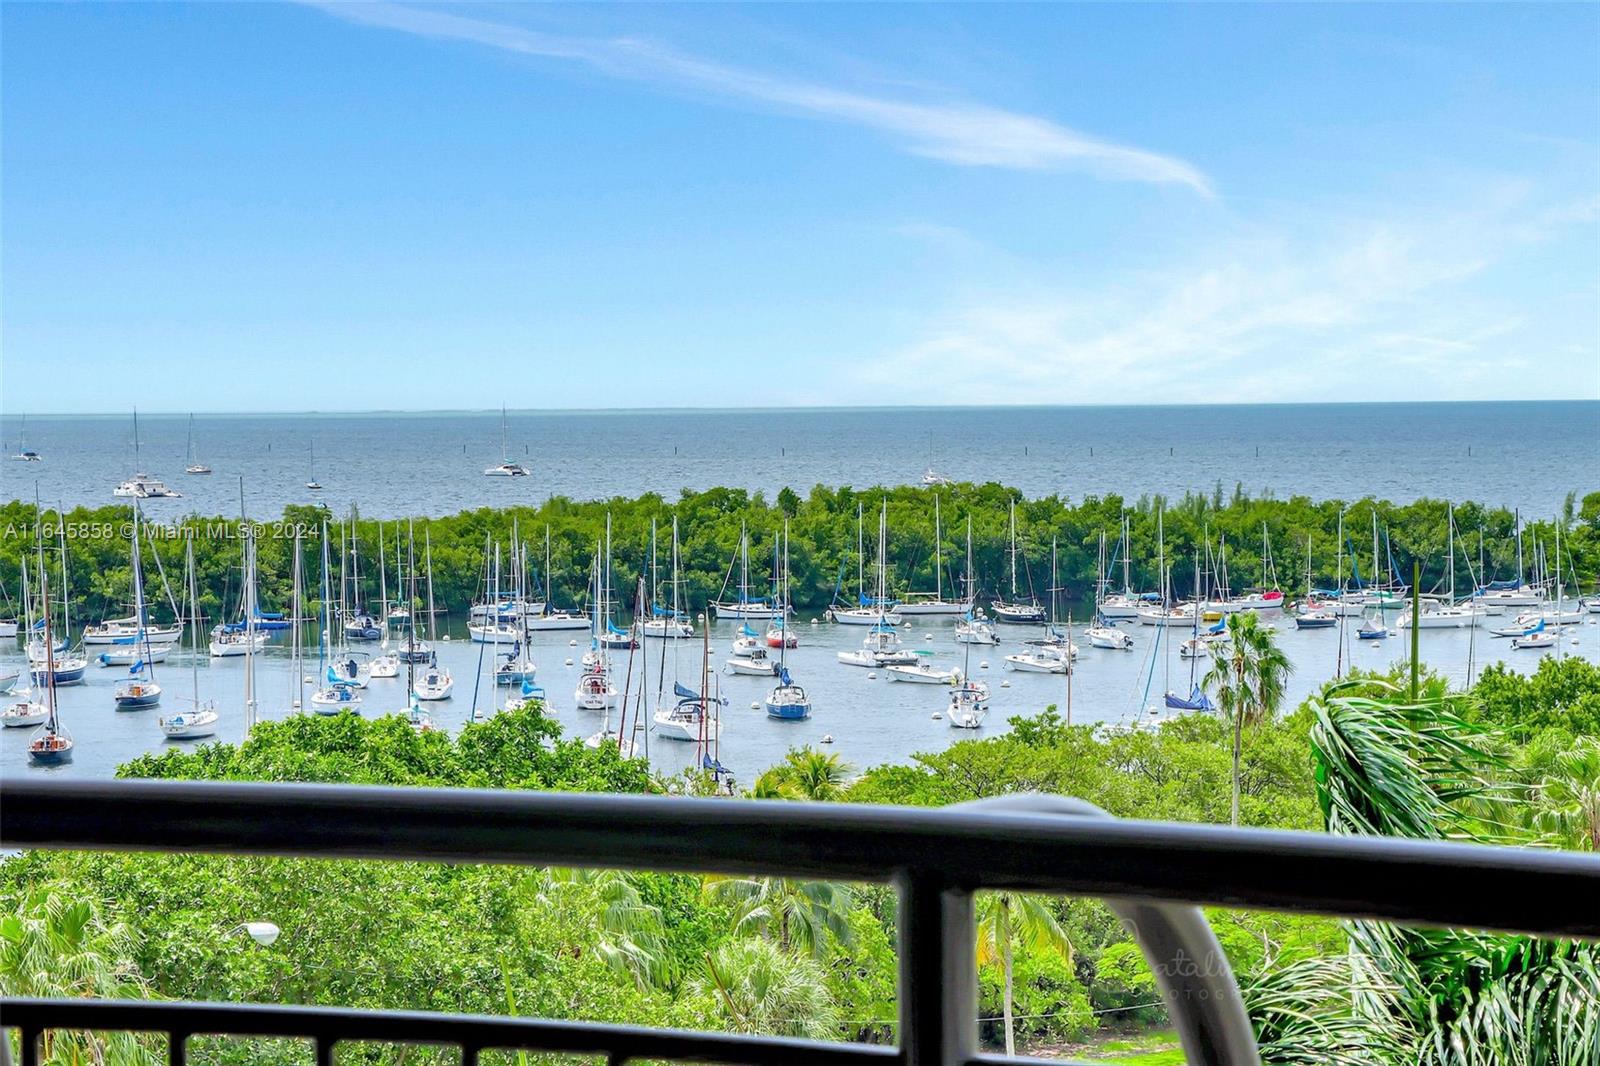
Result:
[[142, 486], [24, 454], [506, 468]]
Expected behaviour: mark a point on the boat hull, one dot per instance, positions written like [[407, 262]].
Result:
[[921, 676], [933, 608]]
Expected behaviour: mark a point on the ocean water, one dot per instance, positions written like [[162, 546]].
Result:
[[1519, 454], [870, 719]]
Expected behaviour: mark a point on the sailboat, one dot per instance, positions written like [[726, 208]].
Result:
[[1268, 596], [506, 468], [51, 745], [1015, 610], [338, 694], [24, 454], [937, 605], [1450, 614], [929, 476], [313, 484], [435, 682], [386, 663], [973, 628], [666, 622], [788, 700], [1124, 604], [413, 649], [493, 625], [692, 716], [200, 718], [142, 486], [52, 661], [595, 690], [869, 610], [881, 645], [195, 466], [27, 711], [245, 637], [1165, 612], [1517, 593], [516, 667], [140, 689], [969, 702], [550, 616], [1053, 654], [746, 606]]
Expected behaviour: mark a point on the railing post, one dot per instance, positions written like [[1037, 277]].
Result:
[[938, 973]]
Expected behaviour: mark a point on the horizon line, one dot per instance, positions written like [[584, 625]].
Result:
[[770, 409]]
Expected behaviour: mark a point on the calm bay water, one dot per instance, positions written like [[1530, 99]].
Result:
[[872, 720], [1527, 455]]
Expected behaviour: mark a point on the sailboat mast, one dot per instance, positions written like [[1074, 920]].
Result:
[[194, 611], [427, 551], [297, 596], [249, 618], [861, 552], [1013, 551], [938, 556]]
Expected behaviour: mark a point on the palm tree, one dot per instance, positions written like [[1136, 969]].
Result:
[[759, 988], [805, 773], [1386, 766], [1565, 802], [1005, 918], [59, 948], [1248, 674], [632, 935], [800, 915]]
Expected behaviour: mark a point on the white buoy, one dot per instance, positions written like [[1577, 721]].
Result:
[[1005, 684], [569, 662], [872, 675], [813, 621], [937, 716], [445, 637], [927, 636], [984, 665], [827, 738], [906, 624], [754, 706], [572, 644]]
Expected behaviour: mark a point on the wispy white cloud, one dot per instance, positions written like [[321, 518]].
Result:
[[1352, 312], [966, 134]]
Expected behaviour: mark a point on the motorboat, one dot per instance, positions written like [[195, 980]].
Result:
[[506, 469], [1103, 636], [975, 630], [922, 674], [142, 486], [1044, 660], [755, 664], [880, 647]]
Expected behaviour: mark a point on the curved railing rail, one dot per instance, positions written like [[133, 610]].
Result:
[[1155, 875]]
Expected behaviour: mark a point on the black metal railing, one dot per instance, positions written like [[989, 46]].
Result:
[[1154, 875]]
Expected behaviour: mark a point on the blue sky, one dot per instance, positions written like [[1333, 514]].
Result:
[[230, 207]]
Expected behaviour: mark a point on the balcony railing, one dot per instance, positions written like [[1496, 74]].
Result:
[[1155, 875]]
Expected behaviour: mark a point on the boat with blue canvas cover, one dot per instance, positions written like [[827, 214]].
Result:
[[1197, 700]]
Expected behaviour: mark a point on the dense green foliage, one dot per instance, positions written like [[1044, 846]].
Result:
[[768, 954], [822, 543]]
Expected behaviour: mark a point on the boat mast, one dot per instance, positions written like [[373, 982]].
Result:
[[1013, 550], [295, 649], [938, 556], [861, 553], [427, 554], [249, 618], [1127, 545], [194, 613], [138, 599]]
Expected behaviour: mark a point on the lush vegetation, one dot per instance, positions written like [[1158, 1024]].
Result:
[[822, 543], [1516, 761]]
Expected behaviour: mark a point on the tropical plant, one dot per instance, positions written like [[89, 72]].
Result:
[[804, 916], [631, 937], [1394, 767], [1007, 920], [807, 774], [1564, 801], [1248, 675], [59, 947], [759, 988]]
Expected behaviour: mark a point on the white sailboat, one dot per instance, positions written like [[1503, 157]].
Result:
[[973, 627], [506, 467], [788, 700], [140, 689], [1015, 610], [199, 719], [937, 605], [194, 465], [436, 681], [666, 621], [24, 454], [881, 645], [312, 483], [141, 486], [596, 691], [868, 610], [335, 693], [1449, 614], [746, 606]]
